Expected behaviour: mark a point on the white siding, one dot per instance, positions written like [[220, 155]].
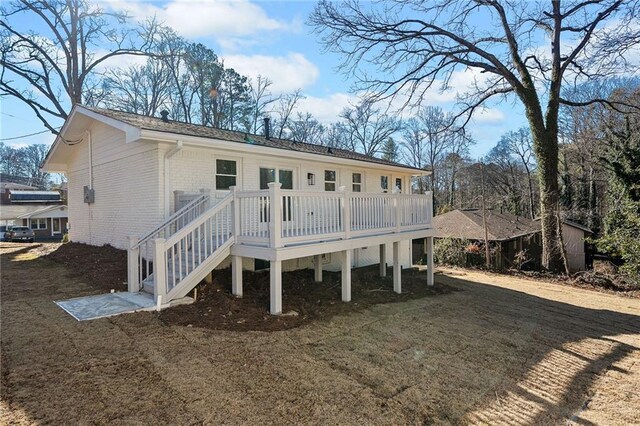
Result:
[[574, 243], [126, 180], [193, 169]]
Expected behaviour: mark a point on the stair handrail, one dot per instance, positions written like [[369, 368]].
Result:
[[184, 211], [203, 217], [163, 248]]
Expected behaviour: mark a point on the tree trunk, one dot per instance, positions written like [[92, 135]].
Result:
[[546, 147]]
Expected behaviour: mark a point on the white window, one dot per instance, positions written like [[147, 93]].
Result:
[[399, 183], [357, 182], [329, 180], [226, 174], [38, 223], [384, 183]]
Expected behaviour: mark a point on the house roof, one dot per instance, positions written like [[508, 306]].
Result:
[[33, 196], [14, 211], [13, 185], [468, 224], [143, 122], [40, 211]]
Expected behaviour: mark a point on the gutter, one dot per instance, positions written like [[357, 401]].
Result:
[[159, 136]]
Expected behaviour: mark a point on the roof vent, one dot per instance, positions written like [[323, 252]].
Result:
[[165, 115]]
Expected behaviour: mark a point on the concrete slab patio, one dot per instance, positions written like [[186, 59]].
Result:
[[106, 305]]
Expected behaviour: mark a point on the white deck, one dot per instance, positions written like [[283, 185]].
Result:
[[274, 225]]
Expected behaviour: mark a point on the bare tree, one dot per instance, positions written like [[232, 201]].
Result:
[[260, 99], [520, 144], [50, 71], [284, 110], [305, 128], [368, 127], [418, 46]]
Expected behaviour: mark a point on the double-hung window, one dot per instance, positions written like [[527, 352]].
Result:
[[38, 223], [356, 182], [329, 180], [226, 174]]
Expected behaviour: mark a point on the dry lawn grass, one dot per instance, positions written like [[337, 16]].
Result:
[[503, 350]]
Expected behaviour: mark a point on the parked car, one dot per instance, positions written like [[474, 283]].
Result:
[[3, 232], [20, 233]]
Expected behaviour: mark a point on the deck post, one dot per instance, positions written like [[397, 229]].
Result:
[[317, 268], [236, 276], [276, 287], [275, 215], [346, 275], [396, 208], [346, 212], [133, 266], [159, 272], [383, 260], [429, 261], [235, 205], [397, 268]]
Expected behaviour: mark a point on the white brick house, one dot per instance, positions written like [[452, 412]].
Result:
[[198, 197]]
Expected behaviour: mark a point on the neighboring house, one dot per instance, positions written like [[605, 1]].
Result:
[[46, 222], [20, 203], [509, 235], [185, 198]]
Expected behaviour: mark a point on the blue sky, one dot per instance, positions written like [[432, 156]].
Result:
[[271, 39]]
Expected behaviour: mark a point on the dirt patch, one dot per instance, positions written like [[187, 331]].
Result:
[[505, 350], [105, 268], [304, 300]]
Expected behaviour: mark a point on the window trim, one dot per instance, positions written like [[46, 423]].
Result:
[[359, 184], [224, 174], [334, 182], [385, 190], [38, 221]]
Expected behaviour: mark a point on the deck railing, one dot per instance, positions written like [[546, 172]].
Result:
[[177, 252], [275, 217]]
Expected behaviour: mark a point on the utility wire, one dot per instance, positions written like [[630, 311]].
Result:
[[26, 136]]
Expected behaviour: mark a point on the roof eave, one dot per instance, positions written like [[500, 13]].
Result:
[[170, 137]]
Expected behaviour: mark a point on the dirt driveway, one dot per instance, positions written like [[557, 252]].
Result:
[[500, 351]]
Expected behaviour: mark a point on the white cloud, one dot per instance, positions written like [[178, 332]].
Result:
[[287, 73], [326, 109], [488, 116], [201, 18]]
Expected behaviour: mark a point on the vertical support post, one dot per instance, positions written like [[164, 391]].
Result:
[[397, 268], [383, 260], [346, 212], [397, 209], [159, 272], [317, 268], [236, 276], [133, 266], [235, 206], [429, 261], [346, 275], [275, 215], [276, 287]]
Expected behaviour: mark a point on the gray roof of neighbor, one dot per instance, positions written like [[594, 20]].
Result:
[[468, 224], [177, 127]]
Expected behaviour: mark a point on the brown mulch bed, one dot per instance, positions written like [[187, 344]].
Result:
[[105, 268], [304, 300]]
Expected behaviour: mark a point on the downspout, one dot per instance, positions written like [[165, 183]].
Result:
[[90, 159], [167, 192]]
